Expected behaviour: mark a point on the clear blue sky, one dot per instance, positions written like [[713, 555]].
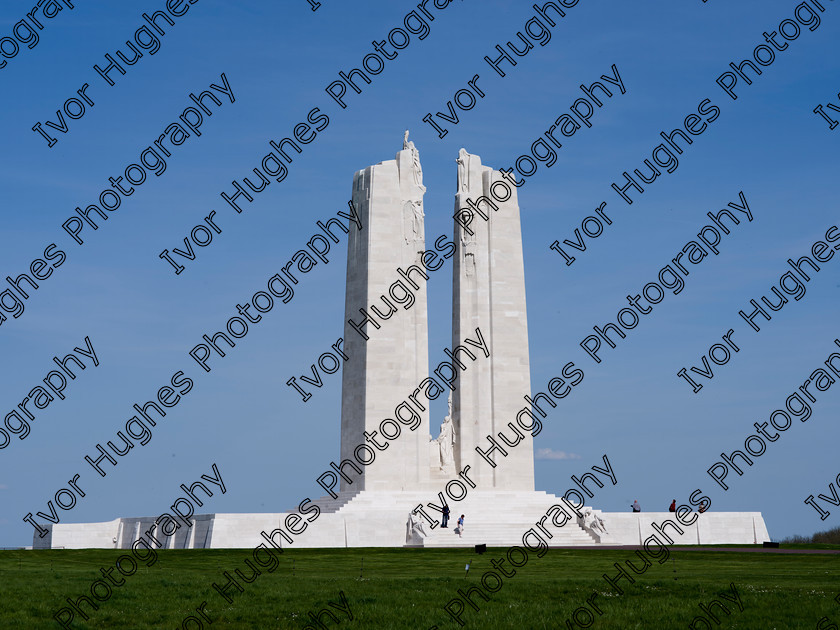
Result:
[[278, 58]]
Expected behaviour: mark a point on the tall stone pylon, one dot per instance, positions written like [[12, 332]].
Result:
[[383, 266], [489, 294]]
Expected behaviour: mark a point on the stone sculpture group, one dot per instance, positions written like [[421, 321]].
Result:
[[446, 442]]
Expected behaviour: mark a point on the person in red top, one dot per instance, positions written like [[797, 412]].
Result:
[[673, 507]]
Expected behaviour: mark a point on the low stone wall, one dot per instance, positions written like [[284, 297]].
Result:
[[385, 527], [710, 528]]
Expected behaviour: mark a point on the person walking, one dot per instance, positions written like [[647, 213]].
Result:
[[461, 526], [445, 515]]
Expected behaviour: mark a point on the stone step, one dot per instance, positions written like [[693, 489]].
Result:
[[497, 534], [510, 535]]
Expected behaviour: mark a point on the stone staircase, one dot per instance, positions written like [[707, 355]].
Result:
[[494, 518], [329, 505], [486, 523], [503, 535]]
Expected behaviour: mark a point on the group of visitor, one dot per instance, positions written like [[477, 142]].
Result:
[[458, 530], [672, 508]]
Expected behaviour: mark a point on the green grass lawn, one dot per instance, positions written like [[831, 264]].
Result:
[[407, 588]]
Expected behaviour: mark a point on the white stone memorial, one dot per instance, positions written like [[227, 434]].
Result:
[[489, 294]]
